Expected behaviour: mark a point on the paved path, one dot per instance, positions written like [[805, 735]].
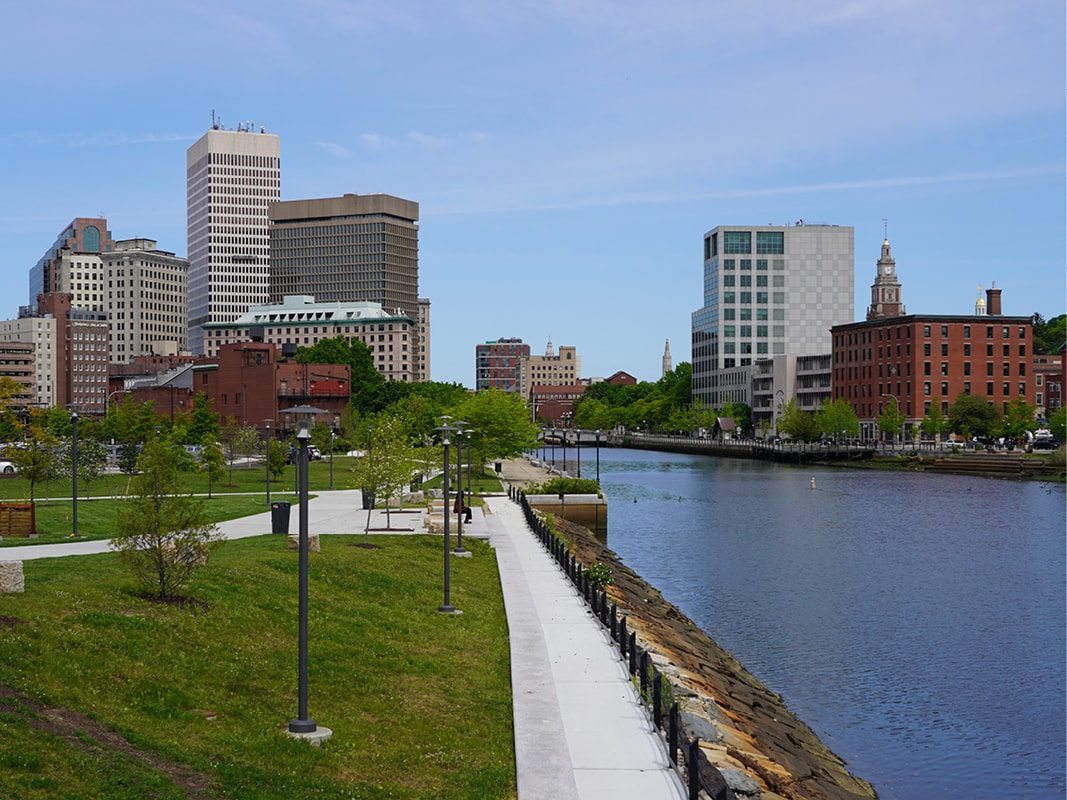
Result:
[[580, 731]]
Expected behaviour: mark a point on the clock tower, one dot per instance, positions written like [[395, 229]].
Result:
[[885, 291]]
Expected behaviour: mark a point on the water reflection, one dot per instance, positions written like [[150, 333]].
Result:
[[916, 622]]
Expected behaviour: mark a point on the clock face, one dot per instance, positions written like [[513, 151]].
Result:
[[889, 269]]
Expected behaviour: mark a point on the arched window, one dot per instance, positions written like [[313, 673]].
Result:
[[91, 239]]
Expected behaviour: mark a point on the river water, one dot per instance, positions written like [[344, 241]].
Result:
[[916, 622]]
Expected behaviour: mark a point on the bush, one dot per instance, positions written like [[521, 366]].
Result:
[[566, 486]]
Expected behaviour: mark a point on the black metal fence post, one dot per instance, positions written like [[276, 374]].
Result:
[[672, 733], [692, 769]]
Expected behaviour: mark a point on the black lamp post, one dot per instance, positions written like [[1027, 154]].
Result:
[[598, 456], [446, 607], [331, 458], [563, 441], [74, 471], [267, 423], [578, 449], [303, 725], [459, 487]]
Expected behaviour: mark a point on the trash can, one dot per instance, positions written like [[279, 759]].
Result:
[[368, 498], [279, 517], [496, 467]]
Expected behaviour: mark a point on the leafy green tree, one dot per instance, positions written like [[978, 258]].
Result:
[[798, 424], [367, 382], [741, 414], [129, 452], [164, 535], [501, 423], [203, 421], [36, 462], [973, 415], [1057, 422], [238, 441], [1018, 418], [211, 460], [838, 418], [92, 461], [386, 465], [935, 422], [890, 420], [277, 454], [1049, 334]]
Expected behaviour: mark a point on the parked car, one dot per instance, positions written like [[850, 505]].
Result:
[[7, 468], [314, 454], [1050, 442]]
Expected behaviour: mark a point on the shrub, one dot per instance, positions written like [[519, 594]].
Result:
[[566, 486]]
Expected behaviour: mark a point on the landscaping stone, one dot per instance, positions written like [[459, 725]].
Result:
[[313, 542], [11, 578]]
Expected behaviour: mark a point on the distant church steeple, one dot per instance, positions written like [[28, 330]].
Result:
[[668, 362], [885, 291]]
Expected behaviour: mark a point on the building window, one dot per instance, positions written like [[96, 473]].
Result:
[[966, 390], [944, 388], [989, 332], [944, 368], [728, 280], [989, 368], [746, 280], [746, 263], [967, 350], [926, 388], [926, 368], [926, 349], [989, 389], [761, 297], [926, 331], [966, 367], [746, 298], [728, 297], [770, 242], [989, 350], [966, 331], [728, 263], [737, 242]]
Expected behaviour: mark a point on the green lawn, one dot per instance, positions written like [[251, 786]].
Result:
[[419, 702]]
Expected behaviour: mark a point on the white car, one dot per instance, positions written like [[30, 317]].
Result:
[[7, 468]]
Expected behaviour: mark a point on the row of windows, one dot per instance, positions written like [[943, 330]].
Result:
[[1005, 331]]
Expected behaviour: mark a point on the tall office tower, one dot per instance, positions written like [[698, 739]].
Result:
[[81, 353], [769, 290], [72, 264], [346, 249], [355, 248], [232, 177], [145, 300], [423, 349]]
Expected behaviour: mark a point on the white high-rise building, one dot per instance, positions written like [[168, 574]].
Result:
[[232, 178], [768, 291]]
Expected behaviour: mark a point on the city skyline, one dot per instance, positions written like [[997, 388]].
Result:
[[568, 159]]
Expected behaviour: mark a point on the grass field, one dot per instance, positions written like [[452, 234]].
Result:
[[104, 694]]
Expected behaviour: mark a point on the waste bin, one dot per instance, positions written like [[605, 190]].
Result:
[[279, 517], [496, 467], [368, 498]]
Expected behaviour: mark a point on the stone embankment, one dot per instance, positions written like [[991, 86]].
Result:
[[745, 729]]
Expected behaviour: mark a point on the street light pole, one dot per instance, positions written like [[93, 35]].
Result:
[[598, 456], [74, 470], [578, 449], [446, 607], [331, 458], [304, 726], [459, 487], [267, 421]]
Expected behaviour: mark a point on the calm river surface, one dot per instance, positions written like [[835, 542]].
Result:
[[916, 622]]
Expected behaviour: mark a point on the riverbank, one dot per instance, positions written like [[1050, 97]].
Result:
[[745, 729], [743, 726]]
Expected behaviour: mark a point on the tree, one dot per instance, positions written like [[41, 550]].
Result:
[[36, 462], [211, 460], [973, 415], [203, 421], [277, 458], [1049, 334], [891, 419], [935, 422], [163, 534], [741, 414], [798, 424], [1018, 418], [838, 418], [1057, 422], [92, 461], [501, 423], [238, 442], [387, 463]]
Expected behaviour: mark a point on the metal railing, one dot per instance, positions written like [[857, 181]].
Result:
[[699, 773]]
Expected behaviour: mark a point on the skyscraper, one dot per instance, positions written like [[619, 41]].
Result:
[[232, 177], [768, 290], [351, 249]]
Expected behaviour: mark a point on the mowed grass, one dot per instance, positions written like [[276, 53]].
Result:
[[419, 702]]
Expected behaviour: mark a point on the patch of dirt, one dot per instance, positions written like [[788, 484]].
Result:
[[10, 622], [93, 738], [367, 545]]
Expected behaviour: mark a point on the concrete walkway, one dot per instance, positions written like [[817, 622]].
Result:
[[580, 730]]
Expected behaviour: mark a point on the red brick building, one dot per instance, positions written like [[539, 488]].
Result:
[[248, 385], [918, 360]]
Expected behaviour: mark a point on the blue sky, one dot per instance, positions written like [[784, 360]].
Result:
[[567, 155]]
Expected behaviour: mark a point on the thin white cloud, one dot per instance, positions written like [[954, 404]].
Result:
[[334, 149], [425, 140]]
